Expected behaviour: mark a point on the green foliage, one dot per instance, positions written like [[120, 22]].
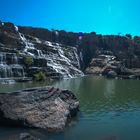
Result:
[[40, 76], [137, 39], [28, 60], [17, 52]]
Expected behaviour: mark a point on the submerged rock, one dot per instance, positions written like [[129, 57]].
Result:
[[44, 107], [27, 136]]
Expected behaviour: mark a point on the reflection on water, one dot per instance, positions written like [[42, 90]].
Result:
[[19, 86], [110, 110]]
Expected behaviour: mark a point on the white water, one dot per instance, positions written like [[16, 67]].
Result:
[[62, 64], [14, 59], [10, 70], [57, 62], [28, 44], [81, 56]]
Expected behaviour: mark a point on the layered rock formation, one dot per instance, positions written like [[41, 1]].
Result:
[[46, 108], [24, 54], [61, 54], [107, 64], [103, 63]]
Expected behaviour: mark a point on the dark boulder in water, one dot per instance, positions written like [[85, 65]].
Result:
[[43, 107], [111, 74], [27, 136]]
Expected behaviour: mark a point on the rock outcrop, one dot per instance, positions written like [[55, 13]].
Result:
[[46, 108], [103, 63], [107, 64]]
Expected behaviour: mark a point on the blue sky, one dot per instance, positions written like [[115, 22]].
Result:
[[101, 16]]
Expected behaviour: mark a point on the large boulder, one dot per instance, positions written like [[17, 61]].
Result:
[[94, 70], [102, 64], [111, 74], [44, 107]]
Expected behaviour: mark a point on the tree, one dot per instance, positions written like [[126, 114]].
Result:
[[129, 36]]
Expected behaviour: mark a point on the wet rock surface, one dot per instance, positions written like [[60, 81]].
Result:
[[21, 51], [44, 107]]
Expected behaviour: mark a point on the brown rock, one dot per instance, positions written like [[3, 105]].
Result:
[[47, 108]]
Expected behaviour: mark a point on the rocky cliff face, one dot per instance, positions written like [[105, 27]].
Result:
[[125, 48], [25, 51]]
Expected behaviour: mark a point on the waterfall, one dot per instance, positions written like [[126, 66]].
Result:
[[14, 59], [16, 28], [28, 44], [40, 54], [2, 58], [81, 56], [62, 55], [61, 60], [60, 63], [10, 70], [3, 70], [77, 57]]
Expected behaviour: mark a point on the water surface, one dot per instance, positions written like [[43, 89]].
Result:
[[110, 110]]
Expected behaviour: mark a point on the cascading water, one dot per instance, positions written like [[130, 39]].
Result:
[[4, 68], [54, 58], [40, 54], [10, 70], [61, 64], [28, 44], [14, 59], [81, 56], [2, 58], [57, 60]]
